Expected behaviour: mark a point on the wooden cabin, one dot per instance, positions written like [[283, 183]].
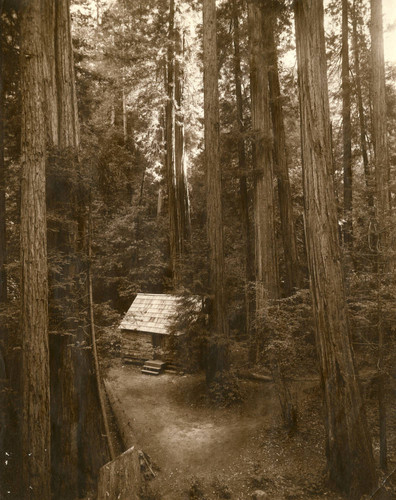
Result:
[[146, 327]]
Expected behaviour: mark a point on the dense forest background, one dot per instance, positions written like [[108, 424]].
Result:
[[246, 156]]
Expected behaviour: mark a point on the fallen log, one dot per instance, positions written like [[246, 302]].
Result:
[[122, 419]]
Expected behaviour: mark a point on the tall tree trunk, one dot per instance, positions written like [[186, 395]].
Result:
[[5, 411], [281, 168], [34, 284], [63, 133], [170, 148], [3, 246], [68, 124], [242, 166], [267, 274], [346, 129], [217, 350], [182, 198], [49, 70], [348, 446], [362, 119], [385, 263]]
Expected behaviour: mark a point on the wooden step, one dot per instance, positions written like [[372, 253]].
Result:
[[154, 363], [148, 371]]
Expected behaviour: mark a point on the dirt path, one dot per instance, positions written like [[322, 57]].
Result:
[[185, 439], [218, 453]]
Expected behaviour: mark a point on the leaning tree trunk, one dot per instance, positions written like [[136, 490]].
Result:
[[348, 446], [281, 168], [243, 185], [267, 274], [34, 284], [217, 350], [385, 261], [346, 129]]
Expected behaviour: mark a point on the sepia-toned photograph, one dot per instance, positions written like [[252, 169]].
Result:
[[197, 249]]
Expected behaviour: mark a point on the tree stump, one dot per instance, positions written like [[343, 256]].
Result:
[[121, 478]]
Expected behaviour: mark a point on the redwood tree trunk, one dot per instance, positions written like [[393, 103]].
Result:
[[170, 149], [34, 285], [68, 124], [183, 204], [348, 446], [362, 119], [178, 201], [267, 274], [346, 129], [385, 262], [218, 322], [242, 166], [281, 168]]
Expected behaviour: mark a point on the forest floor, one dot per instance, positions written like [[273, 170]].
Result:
[[204, 452]]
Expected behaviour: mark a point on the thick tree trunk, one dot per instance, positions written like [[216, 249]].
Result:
[[178, 200], [49, 70], [68, 124], [267, 274], [385, 262], [281, 168], [34, 284], [242, 166], [348, 446], [217, 355], [346, 129], [63, 132]]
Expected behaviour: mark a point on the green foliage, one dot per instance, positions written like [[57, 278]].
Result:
[[225, 390], [286, 334]]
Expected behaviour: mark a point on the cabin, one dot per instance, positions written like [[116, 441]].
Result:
[[146, 328]]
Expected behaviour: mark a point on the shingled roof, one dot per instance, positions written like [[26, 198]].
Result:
[[151, 313]]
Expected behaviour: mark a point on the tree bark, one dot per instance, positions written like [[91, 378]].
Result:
[[68, 124], [346, 129], [385, 262], [362, 119], [178, 200], [242, 167], [267, 273], [34, 284], [281, 168], [348, 446], [170, 149], [182, 198], [49, 69], [217, 355]]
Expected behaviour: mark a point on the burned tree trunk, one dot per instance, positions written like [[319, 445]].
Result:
[[348, 445]]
